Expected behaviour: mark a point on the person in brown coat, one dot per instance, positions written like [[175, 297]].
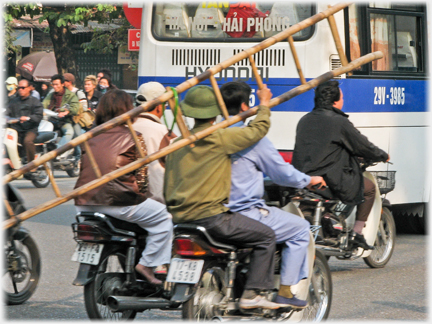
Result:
[[125, 197]]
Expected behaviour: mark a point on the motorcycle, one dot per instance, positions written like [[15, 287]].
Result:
[[22, 260], [332, 221], [206, 277], [13, 159], [71, 164], [45, 142], [108, 250]]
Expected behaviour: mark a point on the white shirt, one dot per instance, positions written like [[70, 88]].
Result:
[[153, 132]]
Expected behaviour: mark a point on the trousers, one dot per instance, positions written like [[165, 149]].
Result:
[[67, 134], [242, 231], [365, 207], [293, 232], [27, 141], [154, 218]]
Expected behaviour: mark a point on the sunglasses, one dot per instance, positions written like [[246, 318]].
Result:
[[22, 87]]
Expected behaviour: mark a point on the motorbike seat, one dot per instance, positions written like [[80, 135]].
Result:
[[117, 223], [324, 192], [187, 227], [45, 137]]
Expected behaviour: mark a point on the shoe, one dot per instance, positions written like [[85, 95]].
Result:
[[65, 155], [293, 302], [359, 240], [162, 270], [259, 302]]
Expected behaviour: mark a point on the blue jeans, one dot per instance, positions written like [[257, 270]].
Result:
[[67, 134]]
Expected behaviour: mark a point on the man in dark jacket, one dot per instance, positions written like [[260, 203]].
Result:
[[29, 110], [328, 144]]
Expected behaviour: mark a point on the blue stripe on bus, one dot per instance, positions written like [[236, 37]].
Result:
[[360, 95]]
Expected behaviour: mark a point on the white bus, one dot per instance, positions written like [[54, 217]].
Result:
[[386, 100]]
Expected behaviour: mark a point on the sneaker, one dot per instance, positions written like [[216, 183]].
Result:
[[259, 302], [359, 240], [294, 302]]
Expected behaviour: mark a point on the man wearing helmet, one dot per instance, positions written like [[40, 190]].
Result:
[[197, 184]]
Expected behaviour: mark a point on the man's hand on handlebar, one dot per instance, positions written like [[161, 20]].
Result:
[[24, 119], [316, 182], [63, 113]]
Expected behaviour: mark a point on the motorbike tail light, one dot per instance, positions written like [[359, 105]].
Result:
[[88, 233], [286, 155], [187, 247]]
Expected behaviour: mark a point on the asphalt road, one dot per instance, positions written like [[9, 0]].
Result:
[[397, 292]]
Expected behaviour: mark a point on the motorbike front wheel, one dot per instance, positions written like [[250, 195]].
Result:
[[111, 269], [40, 178], [75, 171], [320, 291], [384, 242], [210, 291], [23, 269]]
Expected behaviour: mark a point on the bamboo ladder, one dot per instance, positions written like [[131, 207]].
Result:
[[188, 138]]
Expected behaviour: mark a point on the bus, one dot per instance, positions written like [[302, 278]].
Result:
[[386, 99]]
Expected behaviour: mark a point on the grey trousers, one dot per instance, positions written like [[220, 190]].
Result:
[[242, 231], [154, 218]]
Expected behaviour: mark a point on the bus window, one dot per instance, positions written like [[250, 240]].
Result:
[[396, 33], [227, 21]]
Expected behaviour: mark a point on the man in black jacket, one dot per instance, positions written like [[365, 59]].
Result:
[[29, 110], [328, 144]]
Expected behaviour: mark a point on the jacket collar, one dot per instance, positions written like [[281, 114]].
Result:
[[333, 109]]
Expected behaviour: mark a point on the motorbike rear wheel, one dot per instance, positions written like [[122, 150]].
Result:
[[211, 289], [104, 284], [23, 271], [384, 242], [320, 291]]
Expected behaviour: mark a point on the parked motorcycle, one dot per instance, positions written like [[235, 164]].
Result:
[[13, 159], [21, 256], [205, 276], [332, 221]]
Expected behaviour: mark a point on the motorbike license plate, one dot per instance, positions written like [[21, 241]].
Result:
[[88, 253], [185, 271]]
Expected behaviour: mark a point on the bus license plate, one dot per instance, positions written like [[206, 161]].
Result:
[[88, 253], [185, 271]]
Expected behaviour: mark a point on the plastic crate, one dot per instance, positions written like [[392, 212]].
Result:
[[386, 180]]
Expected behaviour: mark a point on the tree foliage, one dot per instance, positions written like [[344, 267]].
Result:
[[60, 17]]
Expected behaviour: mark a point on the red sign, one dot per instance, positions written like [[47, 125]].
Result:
[[133, 15], [134, 39]]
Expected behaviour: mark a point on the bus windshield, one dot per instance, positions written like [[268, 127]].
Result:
[[227, 21]]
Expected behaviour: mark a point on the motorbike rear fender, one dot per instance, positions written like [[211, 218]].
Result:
[[21, 234], [386, 203], [182, 293], [86, 274]]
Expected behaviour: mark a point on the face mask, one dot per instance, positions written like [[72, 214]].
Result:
[[103, 86], [103, 90], [10, 87]]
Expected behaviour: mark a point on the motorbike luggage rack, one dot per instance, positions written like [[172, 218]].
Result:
[[201, 229], [105, 219]]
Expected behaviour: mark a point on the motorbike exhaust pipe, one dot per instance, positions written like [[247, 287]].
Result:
[[138, 304], [328, 251]]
